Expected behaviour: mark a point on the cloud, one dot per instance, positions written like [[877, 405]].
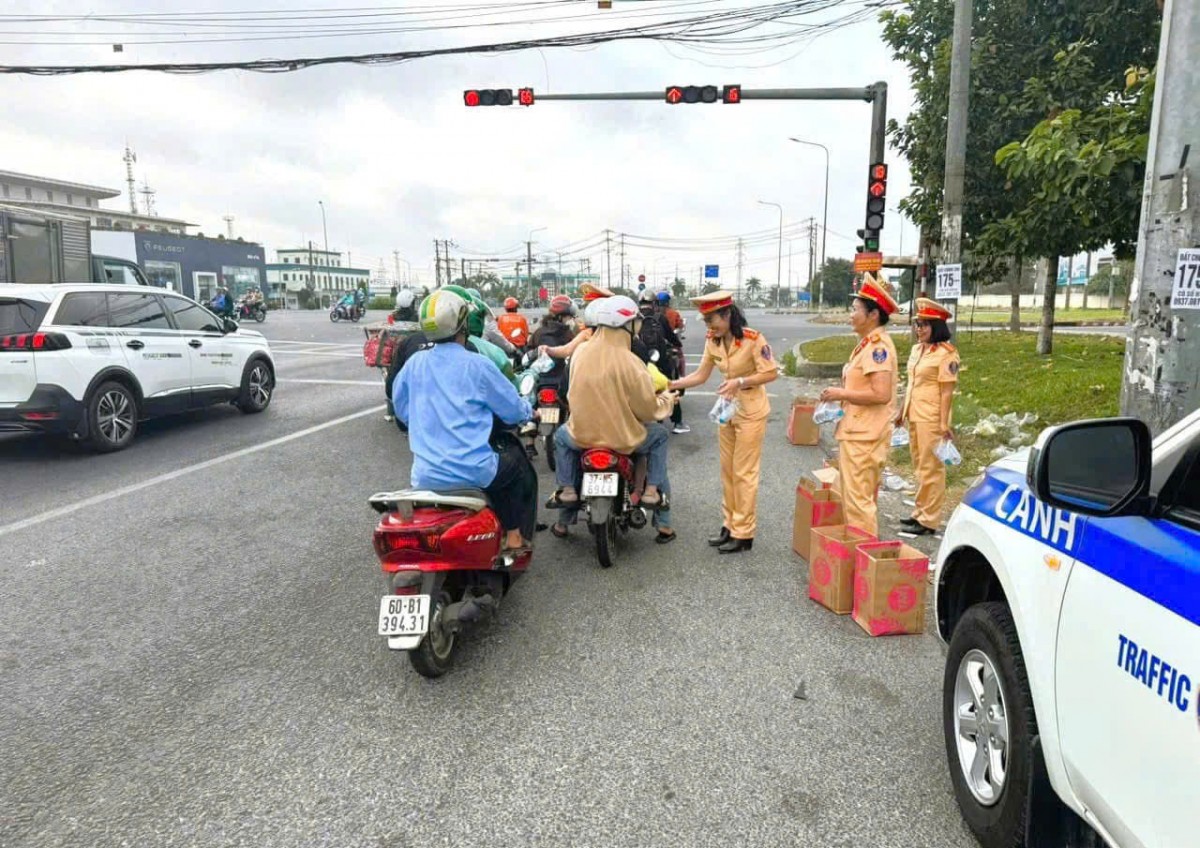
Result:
[[399, 161]]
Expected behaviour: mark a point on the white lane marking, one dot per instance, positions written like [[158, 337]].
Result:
[[315, 353], [375, 384], [691, 393], [62, 511], [311, 344]]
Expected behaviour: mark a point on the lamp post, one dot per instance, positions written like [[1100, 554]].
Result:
[[325, 230], [779, 261], [825, 220]]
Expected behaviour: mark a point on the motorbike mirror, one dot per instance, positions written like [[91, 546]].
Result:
[[528, 382]]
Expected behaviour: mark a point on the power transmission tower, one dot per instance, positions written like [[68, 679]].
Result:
[[147, 194], [130, 158], [1162, 356], [228, 226]]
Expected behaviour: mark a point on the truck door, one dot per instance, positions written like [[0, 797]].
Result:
[[1128, 669]]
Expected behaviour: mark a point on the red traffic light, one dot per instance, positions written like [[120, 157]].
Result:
[[525, 96], [674, 95], [471, 98], [488, 97], [731, 94], [879, 171], [877, 189], [641, 278]]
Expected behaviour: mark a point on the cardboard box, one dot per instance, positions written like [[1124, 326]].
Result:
[[816, 506], [890, 580], [831, 565], [829, 478], [801, 430]]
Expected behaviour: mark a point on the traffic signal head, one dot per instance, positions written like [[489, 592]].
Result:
[[525, 96], [870, 240], [488, 97], [876, 201], [693, 94], [731, 94], [877, 184]]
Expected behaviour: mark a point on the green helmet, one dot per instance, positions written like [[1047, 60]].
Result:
[[443, 314], [479, 312]]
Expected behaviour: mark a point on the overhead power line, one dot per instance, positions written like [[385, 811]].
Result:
[[746, 26]]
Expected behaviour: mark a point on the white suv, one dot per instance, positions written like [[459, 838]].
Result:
[[1068, 589], [90, 361]]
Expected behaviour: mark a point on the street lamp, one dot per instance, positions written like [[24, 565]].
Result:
[[325, 230], [825, 221], [779, 262]]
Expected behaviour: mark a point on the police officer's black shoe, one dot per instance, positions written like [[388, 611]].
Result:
[[736, 546], [910, 524], [720, 539]]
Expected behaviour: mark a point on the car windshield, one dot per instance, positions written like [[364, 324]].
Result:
[[20, 316]]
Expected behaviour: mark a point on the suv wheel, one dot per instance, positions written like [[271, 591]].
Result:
[[258, 385], [989, 724], [112, 417]]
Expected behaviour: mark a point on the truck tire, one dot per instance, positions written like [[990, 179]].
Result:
[[989, 724]]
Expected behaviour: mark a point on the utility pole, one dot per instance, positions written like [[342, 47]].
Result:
[[812, 255], [437, 262], [311, 282], [1162, 355], [131, 157], [396, 257], [956, 137], [622, 283], [529, 262], [739, 269], [1070, 271], [1087, 279], [608, 255]]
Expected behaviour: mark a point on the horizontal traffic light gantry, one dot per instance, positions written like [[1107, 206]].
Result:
[[676, 94]]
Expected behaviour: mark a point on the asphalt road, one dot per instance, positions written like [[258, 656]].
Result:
[[188, 655]]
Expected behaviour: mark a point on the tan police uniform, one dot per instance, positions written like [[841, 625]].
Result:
[[930, 367], [865, 432], [741, 439]]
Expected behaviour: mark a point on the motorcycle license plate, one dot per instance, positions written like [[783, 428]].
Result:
[[548, 414], [599, 485], [403, 615]]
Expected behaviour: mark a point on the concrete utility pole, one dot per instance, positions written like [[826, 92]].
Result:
[[1161, 383], [437, 263], [956, 137], [825, 218], [779, 259], [608, 257], [739, 270], [311, 281]]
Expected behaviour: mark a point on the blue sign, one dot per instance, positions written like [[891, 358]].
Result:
[[712, 272], [803, 297]]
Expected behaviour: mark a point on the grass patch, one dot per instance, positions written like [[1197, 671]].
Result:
[[1034, 316], [1002, 373]]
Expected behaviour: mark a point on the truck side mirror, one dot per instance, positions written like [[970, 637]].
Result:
[[1099, 468]]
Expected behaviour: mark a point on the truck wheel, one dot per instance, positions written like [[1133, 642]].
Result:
[[989, 723], [112, 417]]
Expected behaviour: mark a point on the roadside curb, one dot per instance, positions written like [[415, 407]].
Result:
[[815, 370]]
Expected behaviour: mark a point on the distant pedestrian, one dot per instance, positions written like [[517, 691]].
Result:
[[868, 398], [928, 408]]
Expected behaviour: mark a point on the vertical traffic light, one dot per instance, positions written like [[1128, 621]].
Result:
[[876, 204]]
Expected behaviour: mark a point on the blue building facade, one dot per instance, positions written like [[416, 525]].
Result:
[[196, 266]]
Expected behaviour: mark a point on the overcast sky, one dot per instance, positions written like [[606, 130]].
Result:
[[399, 161]]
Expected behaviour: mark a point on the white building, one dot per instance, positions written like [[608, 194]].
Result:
[[52, 195], [321, 271]]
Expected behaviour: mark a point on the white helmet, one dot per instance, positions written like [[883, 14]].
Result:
[[589, 312], [443, 315], [405, 298], [615, 312]]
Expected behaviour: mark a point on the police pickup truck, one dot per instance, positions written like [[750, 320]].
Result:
[[1068, 592]]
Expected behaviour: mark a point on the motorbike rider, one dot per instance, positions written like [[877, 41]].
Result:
[[675, 360], [612, 399], [512, 322], [557, 327], [406, 306], [448, 397], [360, 301], [590, 295], [490, 331]]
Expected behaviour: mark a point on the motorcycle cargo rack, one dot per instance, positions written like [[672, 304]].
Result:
[[405, 501]]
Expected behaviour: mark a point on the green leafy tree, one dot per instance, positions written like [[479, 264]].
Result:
[[753, 287], [709, 288], [679, 288], [1076, 178], [836, 279]]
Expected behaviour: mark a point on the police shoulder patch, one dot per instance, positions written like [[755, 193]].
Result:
[[750, 334], [879, 355], [953, 366], [766, 352]]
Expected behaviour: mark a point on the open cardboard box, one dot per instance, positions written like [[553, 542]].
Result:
[[831, 565], [890, 579], [816, 506]]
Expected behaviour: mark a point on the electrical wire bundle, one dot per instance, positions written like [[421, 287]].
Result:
[[749, 29]]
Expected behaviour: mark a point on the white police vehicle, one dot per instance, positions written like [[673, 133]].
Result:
[[90, 361], [1068, 589]]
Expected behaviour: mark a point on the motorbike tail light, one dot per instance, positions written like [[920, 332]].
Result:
[[406, 590], [424, 540], [548, 396], [599, 460]]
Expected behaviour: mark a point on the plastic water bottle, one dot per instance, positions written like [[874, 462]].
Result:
[[723, 411]]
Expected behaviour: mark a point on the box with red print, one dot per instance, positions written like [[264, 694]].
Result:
[[817, 505], [889, 588], [831, 566]]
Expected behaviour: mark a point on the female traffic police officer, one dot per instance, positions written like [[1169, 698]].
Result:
[[746, 362], [868, 398], [932, 373]]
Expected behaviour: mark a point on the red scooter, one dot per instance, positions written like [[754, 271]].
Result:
[[441, 554]]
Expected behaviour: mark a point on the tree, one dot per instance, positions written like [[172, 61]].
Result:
[[709, 288], [836, 278], [753, 287], [1014, 43], [679, 288], [1077, 176]]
